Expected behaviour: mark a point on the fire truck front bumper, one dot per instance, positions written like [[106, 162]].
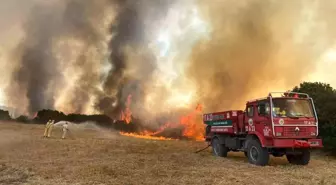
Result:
[[295, 143]]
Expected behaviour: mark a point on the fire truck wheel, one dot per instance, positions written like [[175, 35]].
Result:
[[219, 149], [256, 154], [301, 159]]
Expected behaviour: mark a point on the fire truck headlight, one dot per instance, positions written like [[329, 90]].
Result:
[[279, 131]]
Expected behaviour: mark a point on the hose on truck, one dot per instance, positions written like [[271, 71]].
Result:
[[207, 130], [203, 149]]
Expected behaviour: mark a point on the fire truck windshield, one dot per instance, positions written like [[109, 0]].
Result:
[[292, 108]]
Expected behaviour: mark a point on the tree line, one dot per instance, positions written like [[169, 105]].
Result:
[[43, 116], [323, 94]]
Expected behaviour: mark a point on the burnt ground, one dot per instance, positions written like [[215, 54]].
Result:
[[96, 156]]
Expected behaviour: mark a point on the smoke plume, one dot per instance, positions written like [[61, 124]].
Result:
[[36, 59], [43, 60], [84, 56], [131, 30], [255, 47]]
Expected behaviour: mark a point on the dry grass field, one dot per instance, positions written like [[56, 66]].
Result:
[[94, 156]]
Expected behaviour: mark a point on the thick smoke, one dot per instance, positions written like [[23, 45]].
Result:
[[131, 30], [37, 66], [255, 46], [42, 68], [83, 23], [84, 56], [61, 62], [10, 34]]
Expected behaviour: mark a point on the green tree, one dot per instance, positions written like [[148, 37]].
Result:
[[324, 97]]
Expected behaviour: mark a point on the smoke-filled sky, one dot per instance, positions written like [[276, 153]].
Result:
[[87, 56]]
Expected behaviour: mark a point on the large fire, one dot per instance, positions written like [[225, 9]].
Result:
[[171, 91], [190, 53], [126, 114], [193, 127]]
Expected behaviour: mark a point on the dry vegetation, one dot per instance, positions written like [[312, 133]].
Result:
[[104, 157]]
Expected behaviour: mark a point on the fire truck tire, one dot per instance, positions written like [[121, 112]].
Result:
[[301, 159], [256, 154], [219, 149]]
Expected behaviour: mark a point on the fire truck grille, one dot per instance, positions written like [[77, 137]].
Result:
[[290, 132]]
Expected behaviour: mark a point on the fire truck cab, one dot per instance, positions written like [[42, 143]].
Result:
[[274, 125]]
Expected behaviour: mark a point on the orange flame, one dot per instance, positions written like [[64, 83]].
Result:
[[144, 136], [126, 115], [192, 124], [161, 129]]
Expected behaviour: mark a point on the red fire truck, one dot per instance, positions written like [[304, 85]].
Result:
[[274, 125]]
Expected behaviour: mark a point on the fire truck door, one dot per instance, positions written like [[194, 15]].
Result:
[[262, 119], [250, 119]]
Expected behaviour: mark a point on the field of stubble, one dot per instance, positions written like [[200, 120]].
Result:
[[104, 157]]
